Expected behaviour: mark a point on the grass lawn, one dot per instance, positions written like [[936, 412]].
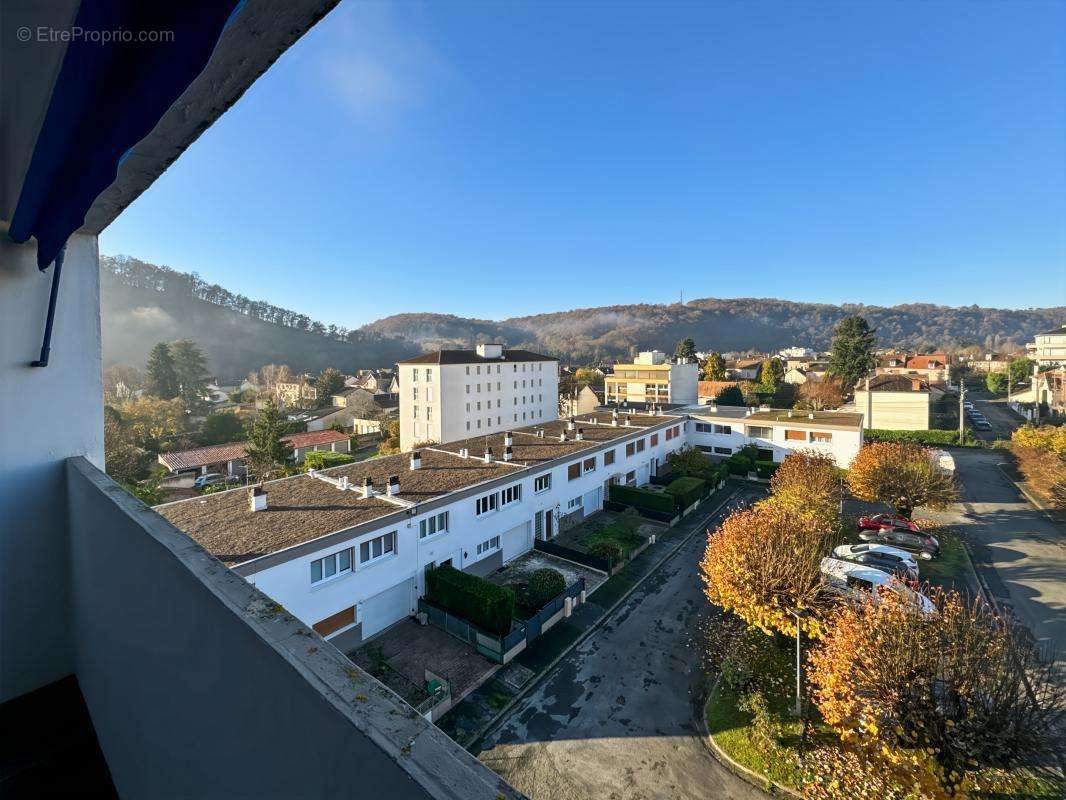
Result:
[[732, 731], [622, 533], [950, 568]]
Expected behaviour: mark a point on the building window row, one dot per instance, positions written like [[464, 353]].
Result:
[[488, 545], [438, 523], [504, 497]]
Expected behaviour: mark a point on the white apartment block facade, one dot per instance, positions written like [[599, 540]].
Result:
[[1048, 349], [652, 379], [452, 394]]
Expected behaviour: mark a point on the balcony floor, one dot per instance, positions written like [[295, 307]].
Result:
[[50, 747]]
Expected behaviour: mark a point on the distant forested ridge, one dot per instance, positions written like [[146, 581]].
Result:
[[143, 303]]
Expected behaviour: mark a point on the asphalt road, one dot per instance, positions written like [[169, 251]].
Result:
[[1018, 551], [1000, 417], [617, 718]]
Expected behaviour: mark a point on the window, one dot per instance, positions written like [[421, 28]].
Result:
[[723, 451], [373, 549], [823, 437], [726, 429], [468, 424], [415, 393], [703, 427], [478, 405], [429, 413], [574, 503], [429, 394], [468, 388], [468, 370], [512, 494], [429, 375], [468, 407], [489, 545], [589, 465], [479, 369], [608, 458], [414, 412], [542, 482], [414, 375], [487, 503], [573, 472], [654, 439], [640, 445], [795, 436], [631, 478], [438, 523], [669, 434], [332, 565], [630, 449], [759, 432]]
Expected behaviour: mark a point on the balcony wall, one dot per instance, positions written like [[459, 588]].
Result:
[[199, 685]]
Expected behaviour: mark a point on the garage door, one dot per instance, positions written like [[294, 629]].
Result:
[[392, 605], [515, 542], [591, 501]]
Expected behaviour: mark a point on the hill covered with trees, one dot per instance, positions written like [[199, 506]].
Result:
[[142, 304]]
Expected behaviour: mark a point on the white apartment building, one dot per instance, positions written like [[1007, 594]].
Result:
[[652, 379], [346, 550], [451, 394], [1048, 349], [722, 430]]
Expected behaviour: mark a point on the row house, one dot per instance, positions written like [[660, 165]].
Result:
[[228, 459]]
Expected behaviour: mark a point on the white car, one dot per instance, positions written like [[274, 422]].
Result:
[[858, 580], [880, 556]]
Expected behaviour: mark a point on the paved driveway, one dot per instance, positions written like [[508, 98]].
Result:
[[999, 415], [617, 718], [1019, 552]]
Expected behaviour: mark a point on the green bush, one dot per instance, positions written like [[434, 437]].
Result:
[[766, 469], [544, 585], [476, 599], [323, 459], [642, 498], [739, 464], [933, 438], [686, 491], [606, 549]]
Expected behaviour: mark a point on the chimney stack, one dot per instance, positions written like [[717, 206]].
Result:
[[562, 436], [580, 434], [344, 483], [508, 454], [614, 417], [810, 415], [488, 455], [393, 488], [464, 453], [570, 425], [540, 433], [416, 460], [257, 498], [508, 439], [368, 487]]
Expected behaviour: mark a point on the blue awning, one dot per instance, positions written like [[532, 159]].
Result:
[[109, 95]]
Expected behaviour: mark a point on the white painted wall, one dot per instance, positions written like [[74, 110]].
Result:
[[843, 447], [46, 415]]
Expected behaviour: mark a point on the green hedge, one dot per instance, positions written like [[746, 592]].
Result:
[[323, 459], [686, 491], [766, 469], [935, 438], [642, 498], [545, 584], [739, 464], [476, 599]]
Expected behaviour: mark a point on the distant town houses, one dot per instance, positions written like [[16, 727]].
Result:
[[892, 401], [296, 394], [228, 459], [934, 368], [744, 369]]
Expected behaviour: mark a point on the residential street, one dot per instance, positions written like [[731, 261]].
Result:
[[1018, 551], [618, 717]]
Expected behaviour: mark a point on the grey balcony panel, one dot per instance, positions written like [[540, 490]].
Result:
[[200, 685]]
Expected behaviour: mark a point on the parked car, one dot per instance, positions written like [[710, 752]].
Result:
[[982, 425], [876, 522], [857, 581], [968, 406], [881, 556], [213, 478], [923, 544]]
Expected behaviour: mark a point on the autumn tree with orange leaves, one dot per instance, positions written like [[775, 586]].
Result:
[[809, 483], [902, 475], [931, 699]]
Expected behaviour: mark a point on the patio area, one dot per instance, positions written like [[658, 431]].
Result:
[[628, 531], [519, 570], [401, 656]]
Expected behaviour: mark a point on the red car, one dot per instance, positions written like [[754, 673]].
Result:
[[887, 522]]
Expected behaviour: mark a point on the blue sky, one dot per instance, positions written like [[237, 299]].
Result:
[[499, 159]]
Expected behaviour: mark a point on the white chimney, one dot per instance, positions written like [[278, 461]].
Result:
[[508, 454], [488, 455], [790, 413], [810, 415], [344, 483], [490, 350], [257, 499], [416, 460], [714, 407], [508, 439], [580, 434], [614, 417], [464, 453], [368, 487], [540, 432], [562, 436], [393, 488], [570, 425]]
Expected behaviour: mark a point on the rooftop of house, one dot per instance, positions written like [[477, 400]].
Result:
[[472, 357], [895, 383], [712, 388], [1059, 331], [234, 451], [843, 420], [302, 508], [744, 363]]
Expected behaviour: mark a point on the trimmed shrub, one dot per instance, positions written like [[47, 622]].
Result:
[[931, 437], [476, 599], [739, 464], [686, 491], [766, 469], [642, 498], [606, 549], [544, 585], [323, 459]]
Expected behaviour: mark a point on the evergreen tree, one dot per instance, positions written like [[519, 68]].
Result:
[[714, 367], [162, 379], [221, 427], [266, 452], [685, 350], [770, 375], [191, 369], [329, 382], [852, 353], [730, 396]]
